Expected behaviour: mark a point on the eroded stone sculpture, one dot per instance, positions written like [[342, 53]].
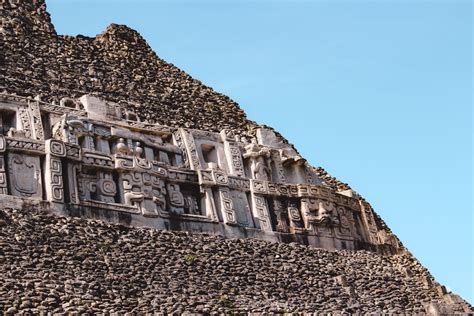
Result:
[[98, 158]]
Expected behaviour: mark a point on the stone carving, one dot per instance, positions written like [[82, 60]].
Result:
[[239, 183], [24, 175], [220, 178], [260, 212], [73, 182], [180, 142], [346, 220], [38, 131], [176, 199], [294, 216], [234, 155], [276, 159], [191, 204], [194, 161], [73, 151], [55, 148], [55, 180], [319, 215], [97, 161], [25, 145], [144, 191], [122, 148], [94, 159], [259, 161], [227, 206], [25, 121], [54, 171], [259, 186], [61, 110], [3, 176], [106, 188], [281, 216], [206, 177]]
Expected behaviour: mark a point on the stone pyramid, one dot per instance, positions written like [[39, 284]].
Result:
[[129, 187]]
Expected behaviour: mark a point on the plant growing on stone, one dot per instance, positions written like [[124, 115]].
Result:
[[190, 259], [225, 301]]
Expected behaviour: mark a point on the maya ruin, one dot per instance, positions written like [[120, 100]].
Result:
[[111, 158]]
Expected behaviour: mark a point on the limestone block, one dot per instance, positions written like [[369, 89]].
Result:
[[95, 107]]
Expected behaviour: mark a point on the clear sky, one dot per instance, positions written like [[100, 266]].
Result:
[[379, 93]]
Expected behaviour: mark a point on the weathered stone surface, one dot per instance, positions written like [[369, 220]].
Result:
[[54, 264], [94, 157], [219, 172], [117, 65]]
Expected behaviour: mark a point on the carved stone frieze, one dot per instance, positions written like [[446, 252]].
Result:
[[55, 148], [205, 177], [106, 159], [95, 159], [237, 183], [259, 187], [73, 151], [25, 145]]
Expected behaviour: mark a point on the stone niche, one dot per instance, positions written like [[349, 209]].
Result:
[[96, 158]]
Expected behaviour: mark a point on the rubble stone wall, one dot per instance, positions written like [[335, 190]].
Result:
[[67, 264], [117, 65], [53, 264]]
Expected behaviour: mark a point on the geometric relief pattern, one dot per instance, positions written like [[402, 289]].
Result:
[[261, 213], [227, 206], [3, 177], [54, 180]]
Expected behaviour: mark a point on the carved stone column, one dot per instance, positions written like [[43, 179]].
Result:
[[191, 150], [38, 132], [233, 154], [227, 206], [73, 156], [53, 174], [260, 209], [280, 172], [3, 175]]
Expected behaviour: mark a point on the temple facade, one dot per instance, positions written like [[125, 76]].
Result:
[[93, 158]]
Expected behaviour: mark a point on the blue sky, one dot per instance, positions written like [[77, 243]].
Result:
[[379, 93]]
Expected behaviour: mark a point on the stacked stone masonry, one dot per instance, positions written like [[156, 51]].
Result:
[[117, 65], [102, 128], [54, 264]]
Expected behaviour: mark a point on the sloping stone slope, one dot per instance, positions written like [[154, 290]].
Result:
[[117, 65], [49, 263]]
